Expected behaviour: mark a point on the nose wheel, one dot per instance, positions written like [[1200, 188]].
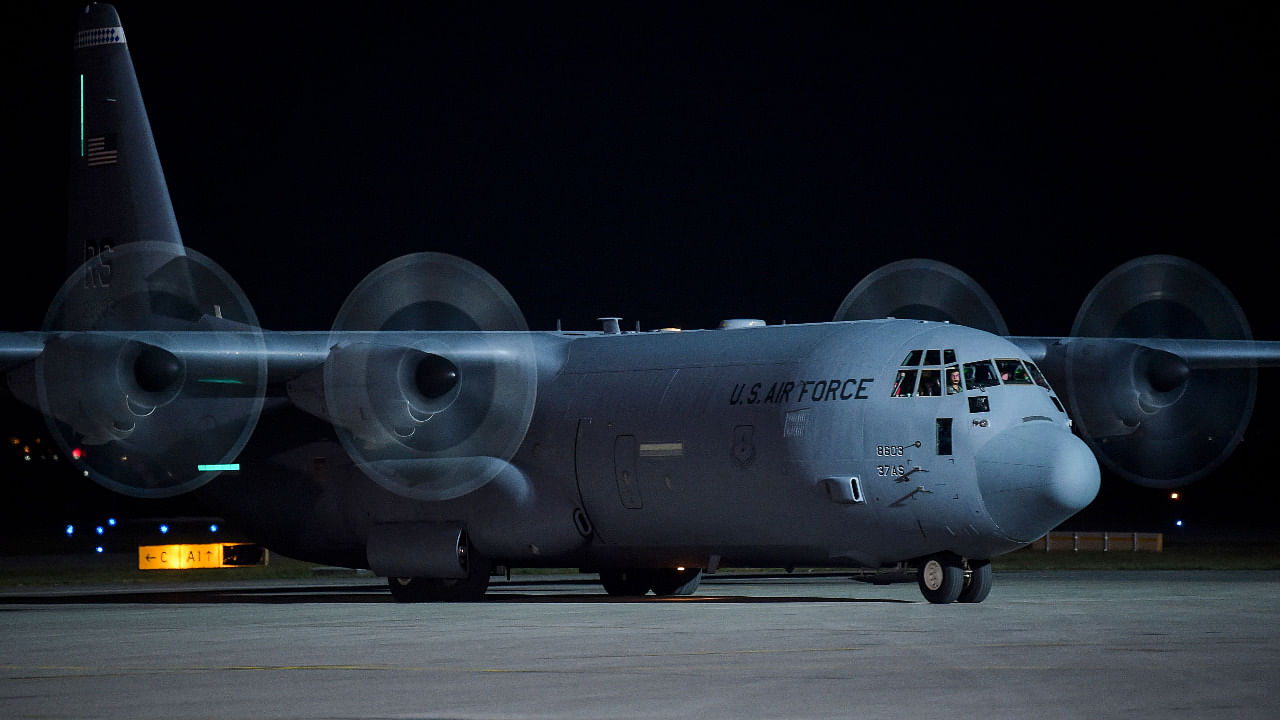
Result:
[[946, 578]]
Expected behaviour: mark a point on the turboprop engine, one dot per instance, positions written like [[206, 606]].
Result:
[[152, 375], [430, 416]]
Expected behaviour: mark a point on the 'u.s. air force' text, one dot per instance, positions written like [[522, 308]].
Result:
[[804, 390]]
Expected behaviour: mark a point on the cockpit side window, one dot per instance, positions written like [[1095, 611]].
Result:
[[1012, 372], [953, 379], [905, 384], [912, 359], [1038, 376], [980, 374]]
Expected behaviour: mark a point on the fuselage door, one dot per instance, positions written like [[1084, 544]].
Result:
[[624, 470]]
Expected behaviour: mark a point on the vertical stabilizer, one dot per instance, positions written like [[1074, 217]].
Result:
[[118, 193]]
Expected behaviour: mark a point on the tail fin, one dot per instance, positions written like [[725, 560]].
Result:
[[118, 193]]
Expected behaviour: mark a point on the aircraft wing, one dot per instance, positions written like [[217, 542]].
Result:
[[1197, 354]]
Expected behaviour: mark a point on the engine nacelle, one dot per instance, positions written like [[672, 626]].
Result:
[[1147, 415], [101, 386], [383, 395]]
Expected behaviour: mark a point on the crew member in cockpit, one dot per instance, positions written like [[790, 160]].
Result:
[[953, 381]]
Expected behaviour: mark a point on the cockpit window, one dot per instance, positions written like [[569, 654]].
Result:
[[953, 379], [905, 384], [930, 383], [1012, 372], [981, 374], [926, 367], [1038, 376]]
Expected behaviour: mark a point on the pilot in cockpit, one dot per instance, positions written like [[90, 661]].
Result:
[[953, 381]]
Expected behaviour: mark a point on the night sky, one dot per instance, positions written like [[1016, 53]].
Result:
[[678, 165]]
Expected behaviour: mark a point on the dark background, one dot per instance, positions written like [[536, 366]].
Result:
[[677, 164]]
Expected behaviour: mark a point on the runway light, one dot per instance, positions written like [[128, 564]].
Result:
[[76, 453], [100, 530], [111, 522], [98, 549], [213, 528], [1178, 523], [164, 529], [71, 530], [1173, 496]]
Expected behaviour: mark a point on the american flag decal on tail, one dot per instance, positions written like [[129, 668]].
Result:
[[100, 151]]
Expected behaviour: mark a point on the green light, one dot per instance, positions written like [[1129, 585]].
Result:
[[218, 468]]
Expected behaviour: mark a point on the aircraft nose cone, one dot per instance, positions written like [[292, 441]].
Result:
[[1035, 475]]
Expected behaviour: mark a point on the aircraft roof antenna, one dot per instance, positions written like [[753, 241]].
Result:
[[611, 326]]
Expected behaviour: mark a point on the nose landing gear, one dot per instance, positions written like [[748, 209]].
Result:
[[946, 578]]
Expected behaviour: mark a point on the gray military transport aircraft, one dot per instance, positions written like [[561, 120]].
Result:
[[431, 436]]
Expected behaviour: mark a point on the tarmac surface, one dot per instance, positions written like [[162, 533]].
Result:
[[1143, 644]]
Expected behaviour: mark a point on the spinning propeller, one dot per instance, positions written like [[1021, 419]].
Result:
[[922, 289], [1155, 420], [430, 416], [154, 374]]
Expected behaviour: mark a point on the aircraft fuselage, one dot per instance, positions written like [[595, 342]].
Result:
[[783, 445]]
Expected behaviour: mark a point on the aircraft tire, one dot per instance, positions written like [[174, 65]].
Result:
[[405, 589], [941, 578], [421, 589], [630, 582], [670, 581], [978, 585]]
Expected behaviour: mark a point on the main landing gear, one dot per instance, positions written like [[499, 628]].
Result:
[[422, 589], [634, 582], [946, 578]]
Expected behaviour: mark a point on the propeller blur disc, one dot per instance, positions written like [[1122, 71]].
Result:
[[154, 373], [922, 289], [435, 402], [1161, 296]]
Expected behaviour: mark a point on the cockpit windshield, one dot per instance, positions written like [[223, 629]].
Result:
[[936, 373], [931, 373], [1012, 372], [981, 374]]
